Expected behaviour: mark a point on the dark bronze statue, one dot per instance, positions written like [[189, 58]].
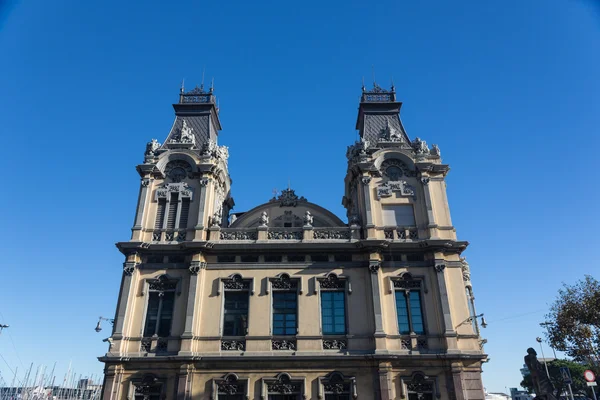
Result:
[[541, 382]]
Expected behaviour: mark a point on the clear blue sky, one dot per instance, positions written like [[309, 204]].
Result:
[[510, 91]]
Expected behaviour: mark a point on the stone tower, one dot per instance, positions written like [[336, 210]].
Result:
[[286, 301]]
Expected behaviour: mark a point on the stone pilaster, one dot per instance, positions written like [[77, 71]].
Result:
[[431, 222], [365, 182], [385, 381], [448, 325], [123, 306], [184, 383], [196, 270], [142, 206], [204, 185]]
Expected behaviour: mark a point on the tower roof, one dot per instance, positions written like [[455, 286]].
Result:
[[196, 119], [379, 116]]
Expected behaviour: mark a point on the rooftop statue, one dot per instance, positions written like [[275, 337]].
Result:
[[541, 382]]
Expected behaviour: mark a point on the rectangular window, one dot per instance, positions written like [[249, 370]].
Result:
[[159, 314], [236, 313], [249, 259], [270, 258], [231, 396], [284, 396], [398, 215], [296, 258], [285, 305], [319, 257], [409, 312], [185, 211], [225, 259], [343, 257], [172, 211], [333, 313], [160, 213], [337, 396]]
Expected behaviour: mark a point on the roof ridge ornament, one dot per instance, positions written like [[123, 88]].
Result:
[[288, 198], [378, 94]]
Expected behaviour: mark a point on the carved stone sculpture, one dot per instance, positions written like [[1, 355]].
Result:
[[466, 271], [308, 218], [390, 134], [435, 150], [541, 383], [185, 134], [151, 148], [420, 146], [264, 219]]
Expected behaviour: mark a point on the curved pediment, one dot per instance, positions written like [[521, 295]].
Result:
[[287, 210]]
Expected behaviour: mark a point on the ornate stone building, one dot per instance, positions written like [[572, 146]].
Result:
[[287, 301]]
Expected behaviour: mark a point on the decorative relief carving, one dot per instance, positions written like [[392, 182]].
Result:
[[283, 385], [374, 266], [210, 149], [230, 385], [162, 284], [418, 384], [239, 345], [176, 187], [283, 344], [332, 282], [161, 345], [145, 182], [393, 169], [440, 267], [236, 283], [358, 151], [365, 180], [184, 135], [407, 283], [148, 388], [335, 344], [466, 270], [328, 233], [284, 235], [284, 283], [129, 268], [178, 170], [386, 189], [422, 343], [196, 267], [288, 198], [390, 134], [420, 146], [435, 150], [238, 235]]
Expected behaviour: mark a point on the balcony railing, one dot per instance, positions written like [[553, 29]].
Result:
[[169, 235], [276, 233], [401, 233]]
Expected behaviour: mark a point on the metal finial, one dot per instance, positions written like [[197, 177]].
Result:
[[212, 84], [202, 82], [373, 72], [393, 87], [182, 85], [363, 84]]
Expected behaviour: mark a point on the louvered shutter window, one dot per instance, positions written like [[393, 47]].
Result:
[[172, 211], [160, 213], [398, 215], [185, 210]]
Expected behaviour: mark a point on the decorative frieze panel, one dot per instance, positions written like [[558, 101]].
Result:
[[332, 281], [146, 345], [328, 233], [283, 384], [238, 234], [231, 385], [284, 282], [162, 284], [176, 187], [337, 384], [386, 189], [233, 345], [283, 344], [276, 234], [335, 344], [236, 283], [394, 169]]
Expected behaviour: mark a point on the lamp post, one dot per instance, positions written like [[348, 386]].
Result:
[[2, 326], [545, 325], [539, 340]]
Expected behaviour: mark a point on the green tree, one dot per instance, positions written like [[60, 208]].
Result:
[[579, 386], [573, 324]]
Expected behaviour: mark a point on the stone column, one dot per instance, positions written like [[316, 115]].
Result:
[[385, 383], [431, 222], [112, 382], [457, 381], [365, 181], [141, 208], [184, 383], [204, 183], [127, 284], [380, 340], [196, 268], [449, 332]]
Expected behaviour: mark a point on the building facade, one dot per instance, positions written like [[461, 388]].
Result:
[[286, 301]]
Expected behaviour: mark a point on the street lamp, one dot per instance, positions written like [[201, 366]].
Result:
[[2, 326], [545, 325], [98, 327], [539, 340]]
